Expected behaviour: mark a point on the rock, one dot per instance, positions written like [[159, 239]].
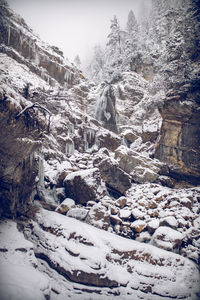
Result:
[[65, 206], [143, 237], [186, 202], [121, 202], [60, 193], [129, 136], [93, 257], [99, 216], [46, 62], [137, 214], [84, 186], [179, 140], [150, 135], [115, 220], [19, 141], [77, 213], [114, 210], [153, 225], [142, 169], [169, 221], [167, 238], [125, 214], [114, 176], [167, 181], [109, 140], [138, 226]]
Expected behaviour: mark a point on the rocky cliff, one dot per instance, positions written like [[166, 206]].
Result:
[[19, 42], [101, 180]]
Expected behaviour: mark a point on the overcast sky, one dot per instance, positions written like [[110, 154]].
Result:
[[75, 25]]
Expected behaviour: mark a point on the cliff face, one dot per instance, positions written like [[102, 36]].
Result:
[[180, 136], [19, 42], [20, 139], [179, 143]]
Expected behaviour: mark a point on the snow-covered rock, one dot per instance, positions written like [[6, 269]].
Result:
[[88, 255], [138, 225], [142, 169], [114, 176], [167, 238], [83, 186], [65, 206], [20, 277]]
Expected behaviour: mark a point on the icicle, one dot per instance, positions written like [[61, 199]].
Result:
[[85, 140], [37, 58], [41, 169], [124, 142], [69, 148], [8, 35], [71, 128], [89, 137]]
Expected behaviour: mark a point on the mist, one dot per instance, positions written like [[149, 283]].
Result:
[[75, 26]]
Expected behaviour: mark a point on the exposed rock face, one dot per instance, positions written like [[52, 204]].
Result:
[[19, 42], [180, 136], [179, 142], [19, 141]]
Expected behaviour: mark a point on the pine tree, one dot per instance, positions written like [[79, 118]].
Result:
[[95, 71], [130, 46], [113, 49], [132, 25], [77, 61]]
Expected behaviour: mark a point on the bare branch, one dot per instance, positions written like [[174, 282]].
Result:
[[35, 105]]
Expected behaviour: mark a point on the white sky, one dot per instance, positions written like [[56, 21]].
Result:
[[75, 26]]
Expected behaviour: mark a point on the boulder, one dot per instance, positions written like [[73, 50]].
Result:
[[143, 237], [108, 139], [114, 176], [142, 169], [169, 221], [137, 214], [99, 216], [125, 214], [138, 226], [65, 206], [153, 225], [167, 238], [121, 202], [78, 213], [84, 186]]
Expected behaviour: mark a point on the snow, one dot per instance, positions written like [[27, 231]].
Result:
[[102, 254], [77, 213], [124, 213], [22, 283], [19, 280]]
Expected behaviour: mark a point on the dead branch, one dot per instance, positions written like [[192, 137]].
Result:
[[35, 105]]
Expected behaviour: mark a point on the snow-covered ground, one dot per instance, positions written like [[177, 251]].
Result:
[[68, 249]]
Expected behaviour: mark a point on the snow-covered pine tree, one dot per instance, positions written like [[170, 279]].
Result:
[[132, 25], [113, 53], [130, 47], [77, 61], [95, 70]]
